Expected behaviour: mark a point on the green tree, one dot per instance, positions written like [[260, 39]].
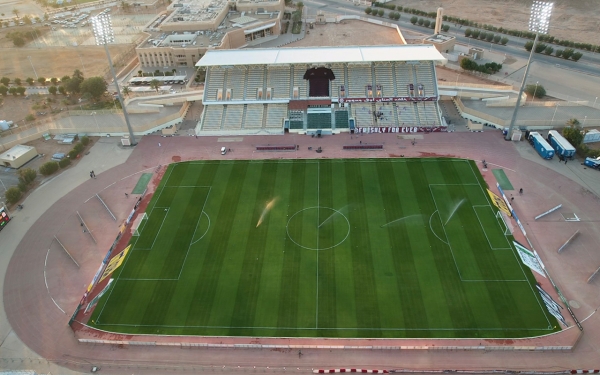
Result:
[[5, 81], [73, 85], [568, 53], [3, 90], [540, 47], [497, 39], [558, 53], [572, 133], [548, 50], [12, 195], [475, 34], [413, 20], [65, 79], [27, 175], [18, 41], [41, 81], [420, 22], [13, 91], [30, 81], [368, 10], [535, 90], [27, 20], [483, 35], [504, 40], [48, 168], [16, 12], [126, 91], [21, 90], [17, 81], [95, 86], [54, 80], [445, 28], [52, 90], [155, 84], [380, 12], [576, 56], [62, 90], [528, 46], [140, 73], [77, 74], [489, 37]]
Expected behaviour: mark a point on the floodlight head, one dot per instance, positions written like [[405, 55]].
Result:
[[540, 16], [103, 30]]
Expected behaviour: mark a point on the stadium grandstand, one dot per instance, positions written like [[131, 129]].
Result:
[[325, 89]]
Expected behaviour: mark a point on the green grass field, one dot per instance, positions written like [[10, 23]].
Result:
[[323, 248]]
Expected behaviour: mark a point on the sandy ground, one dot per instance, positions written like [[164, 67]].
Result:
[[25, 8], [56, 62], [573, 20], [348, 33]]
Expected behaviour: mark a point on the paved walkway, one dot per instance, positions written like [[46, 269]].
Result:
[[41, 280]]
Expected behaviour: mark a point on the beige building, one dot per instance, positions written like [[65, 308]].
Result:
[[17, 156], [443, 43], [182, 36]]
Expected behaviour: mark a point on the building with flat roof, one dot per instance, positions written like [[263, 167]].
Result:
[[190, 28], [443, 43], [17, 156]]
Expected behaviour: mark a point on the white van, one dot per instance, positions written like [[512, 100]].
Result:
[[223, 150]]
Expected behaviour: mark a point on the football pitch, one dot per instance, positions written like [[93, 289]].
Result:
[[376, 248]]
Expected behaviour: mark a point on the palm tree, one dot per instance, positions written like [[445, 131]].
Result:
[[16, 12], [126, 90], [155, 84]]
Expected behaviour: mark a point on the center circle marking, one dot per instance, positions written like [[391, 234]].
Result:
[[334, 214]]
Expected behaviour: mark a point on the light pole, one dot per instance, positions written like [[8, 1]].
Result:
[[538, 23], [96, 121], [4, 186], [535, 90], [34, 72], [595, 100], [555, 109], [104, 34], [584, 120]]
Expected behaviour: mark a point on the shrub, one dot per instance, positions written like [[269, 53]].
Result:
[[548, 50], [13, 195], [368, 10], [30, 117], [558, 52], [576, 56], [445, 28], [380, 12], [27, 175], [489, 37], [483, 35], [85, 140], [49, 168], [535, 90], [73, 154], [504, 40], [528, 46], [420, 22], [78, 147], [497, 38], [475, 34], [426, 23], [63, 163], [22, 187], [413, 20], [568, 53]]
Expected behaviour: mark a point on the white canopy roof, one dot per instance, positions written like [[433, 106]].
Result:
[[323, 55]]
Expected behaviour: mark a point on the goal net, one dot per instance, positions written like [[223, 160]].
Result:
[[138, 224], [503, 224]]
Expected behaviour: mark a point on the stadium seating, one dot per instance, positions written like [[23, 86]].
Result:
[[319, 121], [406, 114], [216, 78], [425, 76], [233, 117], [299, 80], [358, 79], [275, 115], [279, 80], [236, 81], [254, 116], [255, 81], [363, 114], [404, 77], [384, 78], [296, 120], [213, 117], [340, 80], [385, 115], [428, 114], [341, 119]]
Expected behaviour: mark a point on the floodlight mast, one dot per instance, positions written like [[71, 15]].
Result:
[[104, 34], [538, 23]]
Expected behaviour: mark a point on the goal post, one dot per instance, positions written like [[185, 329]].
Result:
[[138, 224]]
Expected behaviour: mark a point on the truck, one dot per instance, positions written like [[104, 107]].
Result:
[[592, 163], [562, 147], [541, 146]]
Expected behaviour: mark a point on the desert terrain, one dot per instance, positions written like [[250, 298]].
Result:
[[574, 20]]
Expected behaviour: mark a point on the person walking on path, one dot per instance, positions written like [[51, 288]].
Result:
[[93, 174], [521, 191], [126, 195]]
